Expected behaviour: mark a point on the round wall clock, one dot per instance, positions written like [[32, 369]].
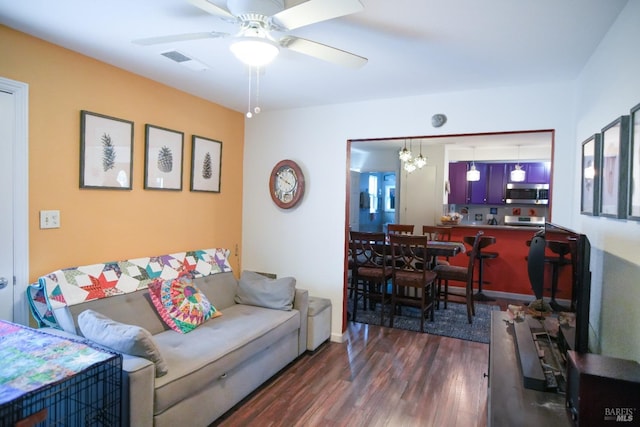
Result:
[[286, 184]]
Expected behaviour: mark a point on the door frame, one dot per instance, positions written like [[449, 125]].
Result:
[[20, 197]]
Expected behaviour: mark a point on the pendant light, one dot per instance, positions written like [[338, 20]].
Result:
[[409, 167], [404, 154], [518, 174], [473, 174], [410, 164], [421, 160]]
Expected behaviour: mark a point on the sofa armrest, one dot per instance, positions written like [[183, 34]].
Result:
[[137, 391], [301, 303]]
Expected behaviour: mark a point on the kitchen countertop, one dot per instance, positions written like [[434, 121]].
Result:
[[496, 227], [508, 273]]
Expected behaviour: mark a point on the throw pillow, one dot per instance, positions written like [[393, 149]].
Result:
[[180, 303], [256, 289], [128, 339]]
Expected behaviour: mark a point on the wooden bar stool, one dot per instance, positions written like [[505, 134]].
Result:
[[482, 255]]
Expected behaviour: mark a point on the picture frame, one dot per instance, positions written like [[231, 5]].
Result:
[[106, 152], [590, 193], [634, 165], [163, 158], [614, 162], [206, 164]]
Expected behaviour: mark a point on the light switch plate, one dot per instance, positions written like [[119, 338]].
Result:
[[49, 219]]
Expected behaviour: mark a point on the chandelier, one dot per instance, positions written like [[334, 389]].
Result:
[[411, 163]]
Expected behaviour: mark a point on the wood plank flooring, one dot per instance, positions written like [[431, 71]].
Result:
[[378, 377]]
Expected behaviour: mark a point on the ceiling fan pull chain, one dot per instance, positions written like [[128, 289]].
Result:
[[249, 113], [257, 107]]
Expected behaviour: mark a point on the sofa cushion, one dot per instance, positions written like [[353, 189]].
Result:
[[256, 289], [180, 303], [128, 339], [216, 347]]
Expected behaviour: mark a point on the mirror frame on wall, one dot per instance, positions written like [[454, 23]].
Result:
[[479, 142]]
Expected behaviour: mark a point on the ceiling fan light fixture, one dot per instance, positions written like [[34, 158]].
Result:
[[254, 51]]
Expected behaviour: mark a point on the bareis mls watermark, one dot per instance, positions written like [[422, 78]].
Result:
[[625, 415]]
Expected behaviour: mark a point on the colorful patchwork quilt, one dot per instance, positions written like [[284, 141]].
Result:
[[32, 359], [85, 283]]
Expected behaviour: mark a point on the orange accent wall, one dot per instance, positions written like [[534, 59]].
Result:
[[106, 225]]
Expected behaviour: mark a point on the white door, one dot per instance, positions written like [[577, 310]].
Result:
[[7, 132], [14, 196], [354, 201], [418, 204]]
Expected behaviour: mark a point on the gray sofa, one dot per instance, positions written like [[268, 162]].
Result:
[[211, 368]]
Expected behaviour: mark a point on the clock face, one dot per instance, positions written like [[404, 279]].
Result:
[[286, 184]]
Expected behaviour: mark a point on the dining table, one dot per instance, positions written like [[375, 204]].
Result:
[[437, 248], [445, 248]]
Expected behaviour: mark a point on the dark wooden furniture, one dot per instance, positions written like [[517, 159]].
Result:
[[400, 228], [602, 390], [441, 234], [509, 403], [459, 274], [482, 255], [370, 271], [412, 282]]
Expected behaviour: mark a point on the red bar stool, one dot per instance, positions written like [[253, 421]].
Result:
[[482, 255]]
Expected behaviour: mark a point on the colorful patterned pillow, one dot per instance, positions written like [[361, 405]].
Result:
[[180, 303]]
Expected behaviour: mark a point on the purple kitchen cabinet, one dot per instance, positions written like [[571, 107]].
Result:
[[496, 183], [478, 189], [458, 185]]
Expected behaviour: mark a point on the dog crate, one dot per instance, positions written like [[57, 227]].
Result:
[[90, 396]]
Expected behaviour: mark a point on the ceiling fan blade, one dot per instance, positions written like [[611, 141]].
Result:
[[322, 51], [313, 11], [179, 38], [213, 9]]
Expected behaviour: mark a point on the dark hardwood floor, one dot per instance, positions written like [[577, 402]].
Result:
[[379, 377]]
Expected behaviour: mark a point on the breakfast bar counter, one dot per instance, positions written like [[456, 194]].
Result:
[[508, 272]]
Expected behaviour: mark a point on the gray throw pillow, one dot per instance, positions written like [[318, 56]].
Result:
[[128, 339], [256, 289]]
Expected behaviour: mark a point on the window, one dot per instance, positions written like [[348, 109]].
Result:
[[373, 193], [390, 198]]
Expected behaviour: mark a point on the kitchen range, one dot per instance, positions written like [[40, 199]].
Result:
[[521, 220]]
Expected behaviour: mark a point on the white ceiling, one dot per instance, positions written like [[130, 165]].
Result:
[[414, 47]]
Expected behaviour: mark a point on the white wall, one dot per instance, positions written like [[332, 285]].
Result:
[[608, 87], [308, 242]]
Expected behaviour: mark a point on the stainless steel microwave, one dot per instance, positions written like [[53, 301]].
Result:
[[527, 194]]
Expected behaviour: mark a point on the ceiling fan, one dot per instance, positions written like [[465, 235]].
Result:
[[255, 43]]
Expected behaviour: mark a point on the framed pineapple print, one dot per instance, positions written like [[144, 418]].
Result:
[[163, 158], [206, 164], [106, 152]]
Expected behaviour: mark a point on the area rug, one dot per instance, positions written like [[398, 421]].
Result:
[[449, 322]]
